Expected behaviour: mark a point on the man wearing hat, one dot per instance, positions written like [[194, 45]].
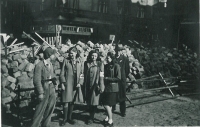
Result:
[[45, 89], [125, 69]]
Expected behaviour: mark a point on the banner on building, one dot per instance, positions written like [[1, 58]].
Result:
[[76, 30], [145, 2], [44, 29]]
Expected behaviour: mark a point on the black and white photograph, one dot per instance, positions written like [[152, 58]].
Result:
[[99, 63]]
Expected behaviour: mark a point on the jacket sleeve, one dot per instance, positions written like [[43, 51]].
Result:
[[117, 75], [101, 78], [81, 79], [37, 79], [62, 73]]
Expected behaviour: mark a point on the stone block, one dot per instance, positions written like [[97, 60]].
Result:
[[12, 86], [17, 74], [4, 81], [22, 66], [15, 69], [30, 74], [19, 61], [14, 64], [13, 95], [4, 69], [23, 56], [11, 79], [6, 100], [4, 61], [16, 57], [29, 67]]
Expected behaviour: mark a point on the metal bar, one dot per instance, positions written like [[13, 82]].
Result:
[[13, 42], [154, 89], [14, 45], [166, 84], [131, 105], [128, 100], [15, 51], [140, 97], [31, 37], [46, 42]]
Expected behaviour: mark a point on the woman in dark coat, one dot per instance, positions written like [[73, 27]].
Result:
[[94, 82], [110, 96], [72, 77]]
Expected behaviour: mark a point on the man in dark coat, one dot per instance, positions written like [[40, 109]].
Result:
[[125, 69], [45, 90]]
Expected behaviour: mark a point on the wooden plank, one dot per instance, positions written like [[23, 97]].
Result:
[[154, 89]]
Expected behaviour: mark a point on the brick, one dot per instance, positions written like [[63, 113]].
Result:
[[23, 56], [30, 74], [16, 57], [15, 69], [4, 61], [14, 64], [13, 95], [12, 86], [4, 69], [11, 79], [19, 60], [5, 92], [29, 67], [6, 100], [22, 66], [17, 74], [4, 81]]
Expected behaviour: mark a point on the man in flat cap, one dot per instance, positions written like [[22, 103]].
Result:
[[45, 89]]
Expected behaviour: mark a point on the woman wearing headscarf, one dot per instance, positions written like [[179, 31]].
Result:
[[72, 78], [94, 84]]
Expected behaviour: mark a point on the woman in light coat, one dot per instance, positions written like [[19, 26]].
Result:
[[94, 84], [72, 78]]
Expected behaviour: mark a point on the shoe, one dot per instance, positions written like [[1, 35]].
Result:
[[63, 122], [105, 122], [90, 121], [109, 125], [123, 115], [71, 122]]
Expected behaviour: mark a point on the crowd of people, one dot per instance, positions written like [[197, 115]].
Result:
[[97, 74]]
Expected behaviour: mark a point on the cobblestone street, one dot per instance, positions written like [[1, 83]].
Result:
[[175, 112]]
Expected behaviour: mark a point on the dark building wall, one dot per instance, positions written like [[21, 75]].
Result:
[[85, 5]]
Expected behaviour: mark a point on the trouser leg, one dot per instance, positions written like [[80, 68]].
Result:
[[123, 107], [49, 110], [65, 111], [70, 110], [39, 112], [92, 111]]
